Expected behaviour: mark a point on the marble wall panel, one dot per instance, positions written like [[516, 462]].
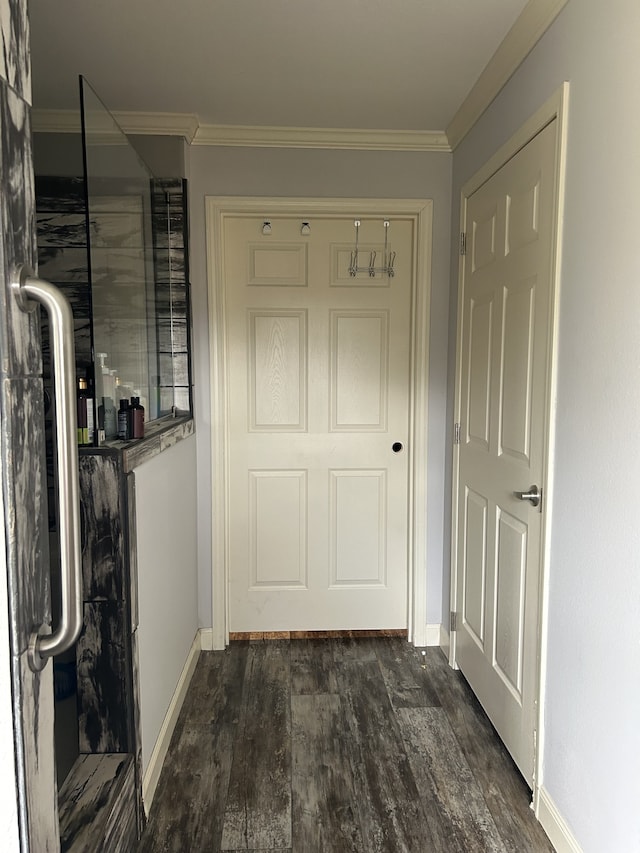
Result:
[[137, 733], [61, 195], [34, 714], [172, 272], [102, 650], [25, 506], [173, 335], [15, 65], [130, 486], [103, 527], [64, 265], [21, 409], [19, 338], [173, 369], [172, 302], [58, 228]]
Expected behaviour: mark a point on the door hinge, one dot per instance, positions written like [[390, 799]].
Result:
[[453, 621], [463, 243], [456, 433]]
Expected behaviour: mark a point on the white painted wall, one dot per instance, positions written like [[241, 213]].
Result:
[[327, 174], [167, 579], [591, 747]]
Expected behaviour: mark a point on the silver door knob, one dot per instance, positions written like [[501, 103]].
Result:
[[534, 495]]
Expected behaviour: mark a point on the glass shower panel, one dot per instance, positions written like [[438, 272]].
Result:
[[121, 260]]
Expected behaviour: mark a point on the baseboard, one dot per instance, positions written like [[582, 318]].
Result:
[[555, 825], [433, 635], [152, 773], [206, 639]]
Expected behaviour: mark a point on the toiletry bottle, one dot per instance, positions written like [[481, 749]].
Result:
[[105, 389], [85, 414], [81, 411], [136, 414], [123, 420]]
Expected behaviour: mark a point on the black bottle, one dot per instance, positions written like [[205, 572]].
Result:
[[136, 419], [123, 420]]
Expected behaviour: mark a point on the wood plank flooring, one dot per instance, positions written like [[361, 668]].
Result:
[[331, 745]]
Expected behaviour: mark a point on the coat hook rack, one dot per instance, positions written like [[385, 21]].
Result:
[[388, 261]]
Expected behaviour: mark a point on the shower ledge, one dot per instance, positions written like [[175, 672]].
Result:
[[97, 805]]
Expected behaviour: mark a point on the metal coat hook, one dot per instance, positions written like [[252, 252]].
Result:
[[388, 258]]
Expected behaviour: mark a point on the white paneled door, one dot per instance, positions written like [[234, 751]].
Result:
[[318, 393], [503, 382]]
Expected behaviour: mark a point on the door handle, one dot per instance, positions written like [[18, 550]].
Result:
[[534, 495], [28, 290]]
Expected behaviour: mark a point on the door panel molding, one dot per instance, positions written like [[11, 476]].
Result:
[[421, 213], [556, 108]]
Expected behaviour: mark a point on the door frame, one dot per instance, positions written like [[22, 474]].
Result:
[[556, 108], [420, 211]]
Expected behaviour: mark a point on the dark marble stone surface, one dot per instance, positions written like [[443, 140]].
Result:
[[102, 511], [173, 269], [103, 693], [20, 338], [21, 408], [159, 436], [62, 195], [56, 228], [25, 507], [15, 64], [132, 550], [97, 805], [64, 264], [34, 714], [137, 734]]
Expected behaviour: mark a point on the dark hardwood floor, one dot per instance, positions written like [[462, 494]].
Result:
[[336, 746]]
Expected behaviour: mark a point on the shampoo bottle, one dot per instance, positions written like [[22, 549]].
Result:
[[123, 420], [136, 415]]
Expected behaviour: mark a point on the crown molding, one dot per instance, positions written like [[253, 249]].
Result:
[[159, 124], [534, 20], [144, 124], [245, 136]]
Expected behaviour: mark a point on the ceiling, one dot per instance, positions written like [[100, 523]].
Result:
[[369, 64]]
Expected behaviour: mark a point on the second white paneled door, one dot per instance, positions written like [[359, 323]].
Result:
[[503, 379], [318, 393]]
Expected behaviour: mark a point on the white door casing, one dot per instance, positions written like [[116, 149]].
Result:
[[505, 383], [288, 322]]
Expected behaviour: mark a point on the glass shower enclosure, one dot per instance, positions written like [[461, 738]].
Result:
[[134, 328], [114, 240]]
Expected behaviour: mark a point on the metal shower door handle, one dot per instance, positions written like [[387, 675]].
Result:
[[534, 495], [26, 288]]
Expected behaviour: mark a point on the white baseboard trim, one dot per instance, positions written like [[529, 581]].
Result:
[[152, 773], [555, 825], [433, 635], [206, 639]]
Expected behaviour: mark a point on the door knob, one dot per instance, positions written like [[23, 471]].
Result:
[[534, 495]]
